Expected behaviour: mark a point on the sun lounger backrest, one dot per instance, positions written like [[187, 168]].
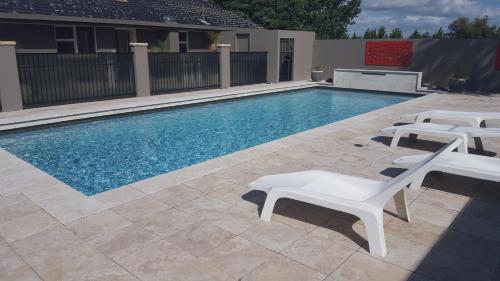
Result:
[[396, 184]]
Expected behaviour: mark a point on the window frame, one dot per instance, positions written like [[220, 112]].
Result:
[[186, 42], [75, 38]]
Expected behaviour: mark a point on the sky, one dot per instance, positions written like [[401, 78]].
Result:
[[424, 15]]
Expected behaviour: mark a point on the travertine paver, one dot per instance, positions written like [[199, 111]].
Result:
[[360, 267], [176, 195], [202, 223], [238, 256], [141, 208], [12, 267]]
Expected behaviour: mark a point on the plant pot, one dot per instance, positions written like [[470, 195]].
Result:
[[212, 47], [457, 85], [316, 75]]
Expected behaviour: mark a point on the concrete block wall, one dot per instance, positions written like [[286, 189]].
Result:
[[436, 59]]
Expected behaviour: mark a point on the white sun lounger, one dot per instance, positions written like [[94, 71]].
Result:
[[468, 165], [361, 197], [441, 130], [475, 119]]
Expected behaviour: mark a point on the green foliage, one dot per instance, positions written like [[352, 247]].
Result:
[[381, 33], [461, 72], [439, 34], [396, 33], [354, 36], [370, 34], [159, 46], [418, 35], [328, 18], [459, 28], [317, 68], [213, 36], [478, 28]]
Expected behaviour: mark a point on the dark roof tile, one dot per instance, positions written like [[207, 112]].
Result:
[[176, 11]]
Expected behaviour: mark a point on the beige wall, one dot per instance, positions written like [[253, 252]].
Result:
[[436, 59], [303, 56], [269, 41]]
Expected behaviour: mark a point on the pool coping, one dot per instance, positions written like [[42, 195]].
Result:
[[205, 96], [66, 204], [149, 104]]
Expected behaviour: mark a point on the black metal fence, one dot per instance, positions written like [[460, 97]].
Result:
[[171, 72], [248, 68], [54, 78]]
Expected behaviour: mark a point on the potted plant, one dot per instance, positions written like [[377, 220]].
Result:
[[459, 79], [213, 37], [317, 73], [159, 46]]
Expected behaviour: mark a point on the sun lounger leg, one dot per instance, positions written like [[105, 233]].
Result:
[[374, 224], [482, 124], [395, 139], [267, 210], [479, 144], [401, 207], [413, 138], [421, 119], [416, 184]]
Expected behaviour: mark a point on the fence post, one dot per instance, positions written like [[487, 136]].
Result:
[[225, 65], [10, 87], [141, 69]]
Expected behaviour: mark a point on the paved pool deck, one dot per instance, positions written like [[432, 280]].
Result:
[[201, 222]]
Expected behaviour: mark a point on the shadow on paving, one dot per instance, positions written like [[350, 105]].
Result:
[[425, 145], [469, 250]]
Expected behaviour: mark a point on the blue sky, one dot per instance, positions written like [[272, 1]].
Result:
[[424, 15]]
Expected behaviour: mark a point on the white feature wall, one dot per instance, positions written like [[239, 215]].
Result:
[[379, 80]]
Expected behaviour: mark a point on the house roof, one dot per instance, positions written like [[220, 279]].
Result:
[[188, 12]]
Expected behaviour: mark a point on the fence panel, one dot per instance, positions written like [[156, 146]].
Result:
[[248, 68], [171, 72], [55, 78]]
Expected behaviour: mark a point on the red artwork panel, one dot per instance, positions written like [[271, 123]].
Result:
[[393, 53], [497, 65]]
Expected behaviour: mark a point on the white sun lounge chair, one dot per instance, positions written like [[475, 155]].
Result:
[[361, 197], [441, 130], [469, 165], [475, 119]]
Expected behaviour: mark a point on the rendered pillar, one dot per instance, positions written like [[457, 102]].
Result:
[[225, 65], [10, 87], [141, 69]]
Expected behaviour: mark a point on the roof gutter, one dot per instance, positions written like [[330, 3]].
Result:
[[51, 18]]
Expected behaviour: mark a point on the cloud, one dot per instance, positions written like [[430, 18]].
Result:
[[424, 15]]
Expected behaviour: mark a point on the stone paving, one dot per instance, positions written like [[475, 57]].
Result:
[[201, 223]]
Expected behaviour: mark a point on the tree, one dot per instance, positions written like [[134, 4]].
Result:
[[354, 36], [396, 33], [381, 34], [439, 34], [370, 34], [479, 28], [328, 18], [426, 35]]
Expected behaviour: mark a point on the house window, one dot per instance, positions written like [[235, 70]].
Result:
[[66, 40], [183, 42], [85, 37], [243, 42], [71, 39]]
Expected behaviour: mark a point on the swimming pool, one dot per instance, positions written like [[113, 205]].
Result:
[[97, 156]]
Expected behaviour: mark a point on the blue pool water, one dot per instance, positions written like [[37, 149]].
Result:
[[93, 157]]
